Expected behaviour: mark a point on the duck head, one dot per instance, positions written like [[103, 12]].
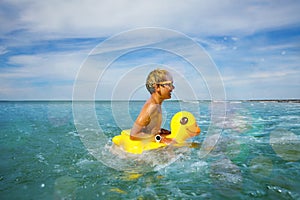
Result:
[[183, 126]]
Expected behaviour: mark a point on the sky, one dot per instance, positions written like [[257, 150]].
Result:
[[102, 49]]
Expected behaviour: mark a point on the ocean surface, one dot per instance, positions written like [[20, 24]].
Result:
[[63, 150]]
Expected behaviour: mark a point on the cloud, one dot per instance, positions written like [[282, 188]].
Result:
[[3, 50], [102, 18], [44, 43], [264, 75], [40, 76], [60, 66], [150, 48]]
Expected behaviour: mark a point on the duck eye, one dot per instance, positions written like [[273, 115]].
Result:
[[184, 120]]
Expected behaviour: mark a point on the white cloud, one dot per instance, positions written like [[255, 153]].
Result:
[[3, 50], [49, 66], [271, 74], [102, 18], [40, 76], [165, 50], [241, 61]]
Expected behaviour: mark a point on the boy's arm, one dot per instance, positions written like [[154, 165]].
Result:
[[137, 133], [163, 133], [142, 121]]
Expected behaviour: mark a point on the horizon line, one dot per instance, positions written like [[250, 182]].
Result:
[[174, 100]]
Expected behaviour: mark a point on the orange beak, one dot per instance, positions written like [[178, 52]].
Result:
[[193, 130]]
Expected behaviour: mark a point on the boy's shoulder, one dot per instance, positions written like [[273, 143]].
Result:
[[151, 106]]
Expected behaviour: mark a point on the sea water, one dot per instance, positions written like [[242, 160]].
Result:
[[48, 152]]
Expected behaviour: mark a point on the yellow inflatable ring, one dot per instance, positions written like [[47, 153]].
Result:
[[183, 126]]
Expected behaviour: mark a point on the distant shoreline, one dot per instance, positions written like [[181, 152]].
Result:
[[278, 100]]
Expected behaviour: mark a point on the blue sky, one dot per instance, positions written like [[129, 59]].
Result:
[[255, 46]]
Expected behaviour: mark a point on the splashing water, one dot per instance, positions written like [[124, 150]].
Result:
[[256, 156]]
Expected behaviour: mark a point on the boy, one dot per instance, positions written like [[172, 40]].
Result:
[[147, 126]]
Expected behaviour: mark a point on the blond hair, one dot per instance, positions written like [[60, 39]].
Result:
[[155, 77]]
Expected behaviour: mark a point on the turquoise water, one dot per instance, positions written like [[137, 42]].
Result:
[[44, 156]]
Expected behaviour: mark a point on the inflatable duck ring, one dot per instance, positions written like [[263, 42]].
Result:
[[183, 126]]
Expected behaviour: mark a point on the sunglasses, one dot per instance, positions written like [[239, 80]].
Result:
[[166, 83]]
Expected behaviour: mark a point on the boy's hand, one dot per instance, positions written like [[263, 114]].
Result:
[[168, 141], [164, 132]]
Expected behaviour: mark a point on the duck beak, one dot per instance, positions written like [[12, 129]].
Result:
[[198, 129], [194, 130]]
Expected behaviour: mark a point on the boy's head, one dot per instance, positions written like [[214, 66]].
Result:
[[155, 77]]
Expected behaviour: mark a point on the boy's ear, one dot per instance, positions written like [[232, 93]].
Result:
[[156, 87]]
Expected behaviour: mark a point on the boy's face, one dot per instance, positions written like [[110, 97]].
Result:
[[166, 87]]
